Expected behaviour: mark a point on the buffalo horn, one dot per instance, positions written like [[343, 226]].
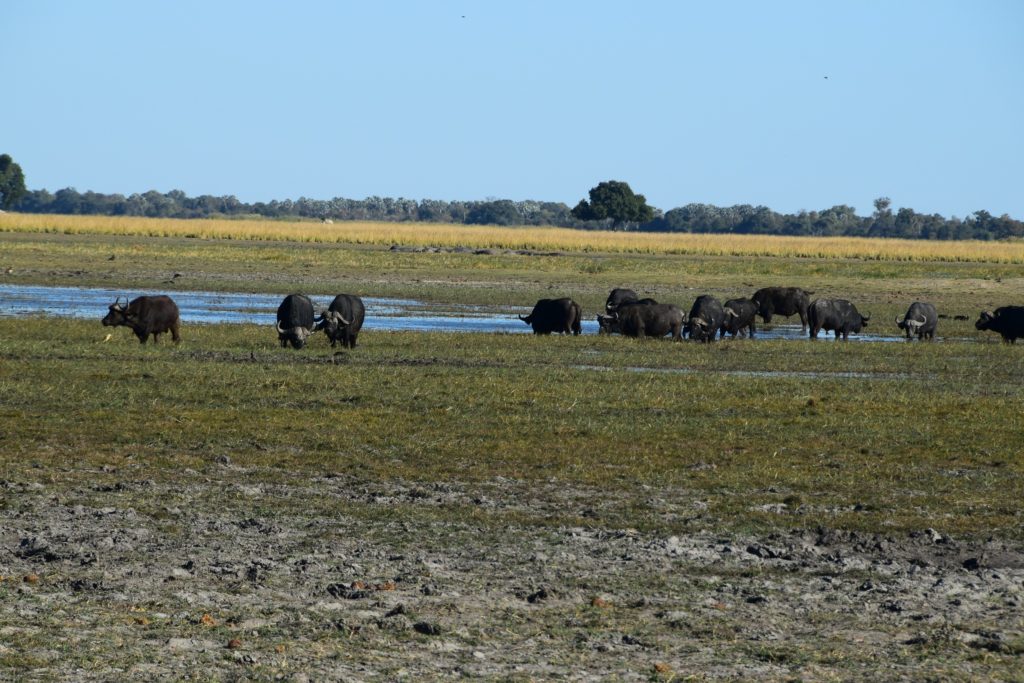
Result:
[[341, 319], [699, 321], [281, 330], [898, 321]]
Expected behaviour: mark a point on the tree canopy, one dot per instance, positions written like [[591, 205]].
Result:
[[612, 205], [12, 182], [615, 200]]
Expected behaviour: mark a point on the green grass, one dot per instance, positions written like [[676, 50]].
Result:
[[880, 437], [882, 288]]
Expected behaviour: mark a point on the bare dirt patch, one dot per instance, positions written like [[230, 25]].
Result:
[[238, 572]]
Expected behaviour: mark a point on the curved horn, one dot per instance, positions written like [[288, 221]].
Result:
[[281, 330], [699, 321], [731, 312], [922, 321], [898, 321], [341, 319]]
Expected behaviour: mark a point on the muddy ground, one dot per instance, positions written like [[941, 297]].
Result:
[[236, 573]]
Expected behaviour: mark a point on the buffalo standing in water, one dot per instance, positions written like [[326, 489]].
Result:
[[785, 301], [343, 319], [295, 320], [609, 323], [921, 319], [555, 315], [739, 318], [618, 297], [706, 317], [838, 315], [647, 320], [146, 315]]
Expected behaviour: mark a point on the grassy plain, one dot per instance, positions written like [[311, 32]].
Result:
[[506, 507], [879, 437]]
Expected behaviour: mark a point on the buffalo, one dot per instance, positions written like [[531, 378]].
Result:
[[838, 315], [608, 323], [1008, 321], [618, 297], [555, 315], [921, 319], [295, 320], [706, 317], [342, 320], [784, 301], [739, 317], [146, 315], [648, 320]]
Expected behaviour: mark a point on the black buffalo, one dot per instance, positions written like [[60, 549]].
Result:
[[295, 320], [921, 319], [784, 301], [617, 297], [608, 323], [146, 315], [343, 319], [838, 315], [1008, 321], [555, 315], [649, 320], [740, 315], [705, 319]]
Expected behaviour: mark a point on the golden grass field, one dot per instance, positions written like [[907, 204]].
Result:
[[536, 238]]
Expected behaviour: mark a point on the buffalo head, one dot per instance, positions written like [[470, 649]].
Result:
[[984, 321], [330, 321], [117, 313], [608, 324], [700, 329], [911, 325], [295, 335]]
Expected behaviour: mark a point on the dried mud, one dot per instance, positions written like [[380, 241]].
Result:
[[240, 573]]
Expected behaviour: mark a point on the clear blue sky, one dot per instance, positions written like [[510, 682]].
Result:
[[722, 102]]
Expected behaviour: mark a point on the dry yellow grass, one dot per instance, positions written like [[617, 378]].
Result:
[[543, 238]]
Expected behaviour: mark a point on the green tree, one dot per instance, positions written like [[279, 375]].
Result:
[[12, 182], [616, 201]]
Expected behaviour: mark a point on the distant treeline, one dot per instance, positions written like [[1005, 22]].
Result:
[[702, 218]]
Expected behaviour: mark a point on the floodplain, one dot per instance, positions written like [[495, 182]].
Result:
[[505, 506]]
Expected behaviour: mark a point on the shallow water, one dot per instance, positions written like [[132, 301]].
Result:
[[261, 309]]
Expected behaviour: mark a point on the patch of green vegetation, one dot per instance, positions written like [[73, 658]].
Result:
[[874, 437]]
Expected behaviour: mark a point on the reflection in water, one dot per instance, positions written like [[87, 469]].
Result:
[[260, 309]]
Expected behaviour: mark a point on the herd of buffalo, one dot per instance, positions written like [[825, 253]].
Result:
[[625, 313]]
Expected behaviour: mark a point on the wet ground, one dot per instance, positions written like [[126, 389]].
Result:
[[381, 314]]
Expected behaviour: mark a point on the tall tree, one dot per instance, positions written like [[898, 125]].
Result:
[[614, 199], [12, 182]]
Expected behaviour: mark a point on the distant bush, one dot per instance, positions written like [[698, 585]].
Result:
[[742, 219]]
